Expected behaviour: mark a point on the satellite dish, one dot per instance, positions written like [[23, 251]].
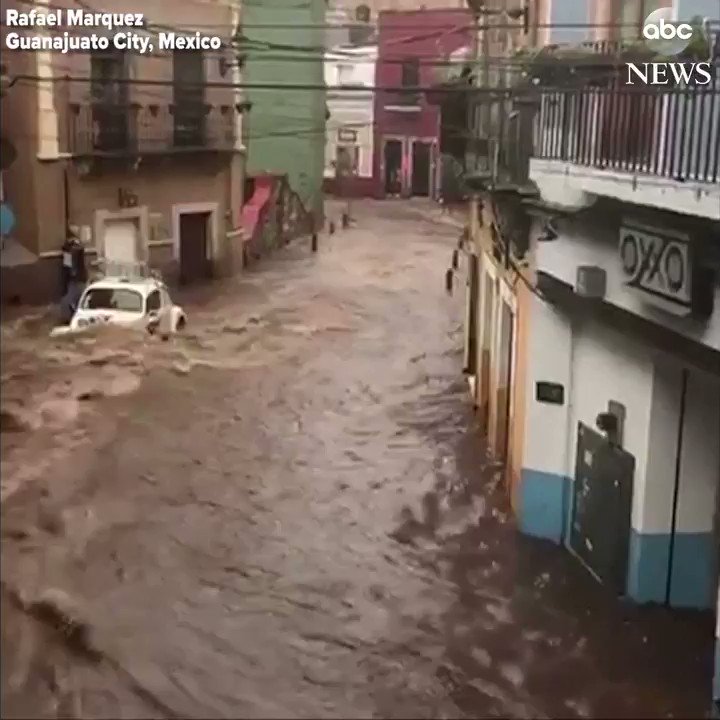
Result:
[[7, 154]]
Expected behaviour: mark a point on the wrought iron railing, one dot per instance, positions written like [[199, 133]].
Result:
[[661, 131], [105, 129], [401, 98]]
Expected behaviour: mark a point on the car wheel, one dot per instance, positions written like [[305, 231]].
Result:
[[180, 326]]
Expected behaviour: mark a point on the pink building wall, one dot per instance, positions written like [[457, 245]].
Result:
[[427, 35]]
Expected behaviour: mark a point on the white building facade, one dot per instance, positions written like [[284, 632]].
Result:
[[628, 259], [593, 317], [593, 330], [350, 127]]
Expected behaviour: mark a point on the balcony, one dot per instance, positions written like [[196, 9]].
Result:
[[106, 130], [653, 140], [405, 101]]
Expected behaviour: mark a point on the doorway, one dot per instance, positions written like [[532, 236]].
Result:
[[421, 166], [486, 334], [121, 241], [194, 246], [602, 505], [502, 393], [392, 156], [471, 321]]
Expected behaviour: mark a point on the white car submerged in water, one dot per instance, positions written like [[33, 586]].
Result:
[[142, 303]]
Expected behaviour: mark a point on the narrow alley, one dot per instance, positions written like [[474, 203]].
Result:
[[285, 512]]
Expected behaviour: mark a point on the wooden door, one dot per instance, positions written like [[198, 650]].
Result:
[[194, 246]]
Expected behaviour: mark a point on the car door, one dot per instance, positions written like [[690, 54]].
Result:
[[153, 307], [167, 308]]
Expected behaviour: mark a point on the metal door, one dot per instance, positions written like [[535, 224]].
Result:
[[602, 503]]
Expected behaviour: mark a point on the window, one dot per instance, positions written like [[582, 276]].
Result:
[[110, 111], [189, 98], [154, 302], [107, 73], [410, 74], [122, 299], [363, 13]]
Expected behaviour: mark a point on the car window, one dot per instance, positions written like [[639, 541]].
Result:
[[154, 302], [122, 299]]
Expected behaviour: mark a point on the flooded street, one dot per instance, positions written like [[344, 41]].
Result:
[[287, 512]]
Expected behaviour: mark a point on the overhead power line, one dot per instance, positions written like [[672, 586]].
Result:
[[468, 25], [290, 87]]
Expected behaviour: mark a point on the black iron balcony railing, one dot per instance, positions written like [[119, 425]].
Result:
[[666, 132], [118, 130]]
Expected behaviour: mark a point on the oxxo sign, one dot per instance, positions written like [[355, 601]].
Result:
[[667, 37], [658, 265]]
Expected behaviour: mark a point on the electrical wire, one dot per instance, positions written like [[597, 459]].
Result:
[[470, 24], [246, 44], [492, 92]]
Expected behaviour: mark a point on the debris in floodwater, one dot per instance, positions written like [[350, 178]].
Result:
[[93, 394]]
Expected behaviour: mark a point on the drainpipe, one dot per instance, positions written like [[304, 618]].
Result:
[[676, 488], [66, 201]]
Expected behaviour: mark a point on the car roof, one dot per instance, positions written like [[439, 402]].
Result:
[[142, 285]]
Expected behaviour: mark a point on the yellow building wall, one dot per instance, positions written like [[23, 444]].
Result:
[[520, 398], [490, 398]]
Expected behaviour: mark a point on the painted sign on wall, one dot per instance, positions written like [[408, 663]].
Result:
[[658, 264]]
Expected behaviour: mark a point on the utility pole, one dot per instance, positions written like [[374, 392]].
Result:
[[344, 171], [487, 114]]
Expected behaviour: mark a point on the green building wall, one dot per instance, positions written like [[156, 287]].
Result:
[[285, 129]]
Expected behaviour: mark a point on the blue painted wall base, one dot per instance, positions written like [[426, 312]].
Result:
[[692, 583], [543, 507], [544, 512]]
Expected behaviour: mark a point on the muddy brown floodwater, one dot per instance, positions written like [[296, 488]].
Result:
[[288, 513]]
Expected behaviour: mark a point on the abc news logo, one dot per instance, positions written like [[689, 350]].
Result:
[[667, 31], [666, 37]]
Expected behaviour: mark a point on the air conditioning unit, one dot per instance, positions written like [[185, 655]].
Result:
[[591, 282]]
